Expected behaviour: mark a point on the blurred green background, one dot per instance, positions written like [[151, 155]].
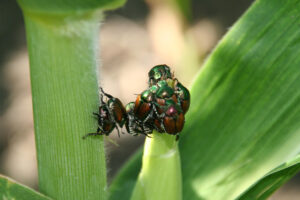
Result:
[[132, 39]]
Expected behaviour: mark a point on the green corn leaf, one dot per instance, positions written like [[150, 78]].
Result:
[[65, 93], [10, 189], [272, 181], [62, 38], [245, 106]]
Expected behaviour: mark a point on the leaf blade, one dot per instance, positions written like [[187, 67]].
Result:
[[9, 189], [272, 181], [244, 120]]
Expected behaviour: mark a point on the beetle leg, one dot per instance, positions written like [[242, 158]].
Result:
[[147, 135], [129, 129], [96, 114], [162, 125], [121, 129], [90, 134], [132, 129], [156, 112], [144, 132], [148, 117], [147, 129], [107, 95], [118, 130], [101, 98], [135, 134]]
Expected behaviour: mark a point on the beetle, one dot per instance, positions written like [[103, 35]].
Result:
[[150, 107], [134, 125], [183, 96], [162, 74], [170, 119], [159, 72], [112, 114], [164, 92], [144, 107]]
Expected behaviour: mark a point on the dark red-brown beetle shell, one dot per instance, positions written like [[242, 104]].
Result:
[[118, 110], [141, 108], [174, 124]]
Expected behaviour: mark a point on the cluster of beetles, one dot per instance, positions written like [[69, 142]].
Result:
[[161, 107]]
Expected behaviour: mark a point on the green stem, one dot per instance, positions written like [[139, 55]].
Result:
[[160, 177], [63, 54]]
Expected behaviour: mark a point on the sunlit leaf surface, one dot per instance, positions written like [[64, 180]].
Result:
[[268, 184]]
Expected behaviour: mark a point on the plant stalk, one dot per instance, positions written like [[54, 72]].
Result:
[[160, 177], [63, 69]]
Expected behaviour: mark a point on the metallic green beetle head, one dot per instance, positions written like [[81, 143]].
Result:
[[164, 91], [159, 72], [129, 107], [153, 88], [147, 96]]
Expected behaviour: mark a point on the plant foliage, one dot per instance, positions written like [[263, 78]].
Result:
[[10, 189], [245, 110]]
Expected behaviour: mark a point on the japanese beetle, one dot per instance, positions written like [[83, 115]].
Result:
[[164, 92], [143, 108], [117, 109], [170, 119], [159, 72], [183, 96], [111, 115], [134, 125]]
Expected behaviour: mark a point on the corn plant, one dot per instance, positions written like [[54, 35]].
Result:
[[242, 132]]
